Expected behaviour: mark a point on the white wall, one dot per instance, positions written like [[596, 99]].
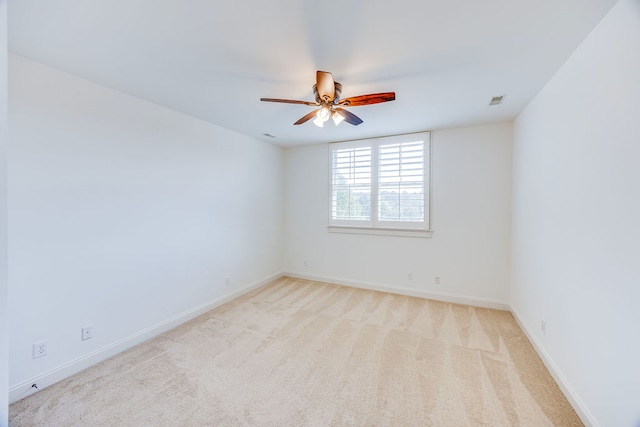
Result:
[[576, 212], [4, 339], [124, 215], [470, 205]]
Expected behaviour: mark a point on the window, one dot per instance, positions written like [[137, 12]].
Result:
[[380, 184]]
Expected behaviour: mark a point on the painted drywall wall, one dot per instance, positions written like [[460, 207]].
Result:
[[470, 218], [576, 207], [124, 214], [4, 337]]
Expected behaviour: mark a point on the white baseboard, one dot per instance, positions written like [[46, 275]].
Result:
[[555, 372], [439, 296], [68, 369]]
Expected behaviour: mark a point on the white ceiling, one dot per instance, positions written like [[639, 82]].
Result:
[[213, 60]]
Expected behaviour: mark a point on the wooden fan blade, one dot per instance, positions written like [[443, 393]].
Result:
[[349, 117], [374, 98], [307, 117], [326, 86], [288, 101]]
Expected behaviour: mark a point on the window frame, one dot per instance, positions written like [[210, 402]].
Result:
[[374, 225]]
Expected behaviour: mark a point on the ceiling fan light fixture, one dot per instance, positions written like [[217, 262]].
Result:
[[323, 114], [337, 118]]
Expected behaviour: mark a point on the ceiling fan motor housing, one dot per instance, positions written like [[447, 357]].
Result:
[[336, 96]]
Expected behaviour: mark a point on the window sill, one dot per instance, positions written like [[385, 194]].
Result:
[[380, 231]]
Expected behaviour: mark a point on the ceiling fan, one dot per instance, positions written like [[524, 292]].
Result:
[[327, 92]]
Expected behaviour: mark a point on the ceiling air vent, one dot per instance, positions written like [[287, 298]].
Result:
[[496, 100]]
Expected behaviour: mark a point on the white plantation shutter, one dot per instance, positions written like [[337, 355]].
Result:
[[381, 183], [351, 184], [401, 182]]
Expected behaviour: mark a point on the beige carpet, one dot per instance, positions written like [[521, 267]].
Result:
[[300, 353]]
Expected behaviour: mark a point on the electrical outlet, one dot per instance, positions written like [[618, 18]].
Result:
[[410, 275], [436, 280], [227, 280], [543, 326], [87, 333], [39, 349]]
